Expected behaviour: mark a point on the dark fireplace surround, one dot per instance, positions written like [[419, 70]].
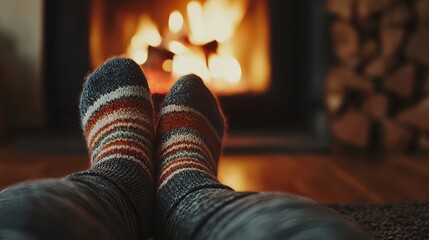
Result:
[[299, 52]]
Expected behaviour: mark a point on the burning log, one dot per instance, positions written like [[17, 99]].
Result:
[[210, 47], [157, 56]]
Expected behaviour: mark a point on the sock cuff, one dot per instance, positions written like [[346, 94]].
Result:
[[135, 184]]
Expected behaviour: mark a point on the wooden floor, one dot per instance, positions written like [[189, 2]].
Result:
[[325, 178]]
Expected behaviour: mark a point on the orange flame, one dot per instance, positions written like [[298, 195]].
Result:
[[188, 39], [147, 35], [175, 22]]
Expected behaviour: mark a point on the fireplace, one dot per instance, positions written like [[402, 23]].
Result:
[[171, 39], [266, 60]]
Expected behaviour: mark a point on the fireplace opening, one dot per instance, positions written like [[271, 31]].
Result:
[[224, 42], [266, 60]]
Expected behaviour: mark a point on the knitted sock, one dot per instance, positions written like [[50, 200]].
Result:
[[117, 119], [189, 139], [190, 132], [193, 204]]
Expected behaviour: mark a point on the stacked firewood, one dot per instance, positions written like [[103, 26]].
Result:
[[377, 95]]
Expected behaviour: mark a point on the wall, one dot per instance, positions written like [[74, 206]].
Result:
[[21, 50]]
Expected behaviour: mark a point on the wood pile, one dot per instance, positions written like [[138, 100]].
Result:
[[377, 95]]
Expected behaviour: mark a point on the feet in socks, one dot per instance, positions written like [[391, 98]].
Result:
[[189, 139], [117, 119], [189, 135]]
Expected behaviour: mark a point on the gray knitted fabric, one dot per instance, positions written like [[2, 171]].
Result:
[[89, 208], [193, 204], [118, 122]]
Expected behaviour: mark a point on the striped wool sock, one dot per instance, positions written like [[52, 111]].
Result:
[[190, 132], [117, 119], [189, 139]]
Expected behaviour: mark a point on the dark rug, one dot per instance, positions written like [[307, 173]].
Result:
[[390, 221]]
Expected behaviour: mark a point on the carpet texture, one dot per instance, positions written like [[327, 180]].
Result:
[[390, 221]]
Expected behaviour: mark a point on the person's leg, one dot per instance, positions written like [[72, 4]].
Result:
[[193, 204], [64, 209], [114, 198]]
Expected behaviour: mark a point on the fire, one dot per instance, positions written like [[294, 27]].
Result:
[[215, 20], [147, 35], [191, 62], [196, 23], [177, 47], [202, 41], [225, 68], [175, 21]]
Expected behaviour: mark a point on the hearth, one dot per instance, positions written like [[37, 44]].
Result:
[[275, 54]]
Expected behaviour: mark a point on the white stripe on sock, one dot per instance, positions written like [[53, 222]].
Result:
[[174, 139], [124, 147], [166, 180], [127, 91], [179, 163], [116, 115], [137, 139], [120, 125], [179, 108]]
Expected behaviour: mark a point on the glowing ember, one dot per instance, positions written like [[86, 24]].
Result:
[[167, 65]]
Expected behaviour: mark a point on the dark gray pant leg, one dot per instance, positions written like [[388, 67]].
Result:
[[277, 216], [85, 207], [214, 214]]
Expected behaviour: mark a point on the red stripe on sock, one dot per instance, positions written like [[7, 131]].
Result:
[[188, 120], [144, 131], [185, 148], [132, 104], [127, 150]]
